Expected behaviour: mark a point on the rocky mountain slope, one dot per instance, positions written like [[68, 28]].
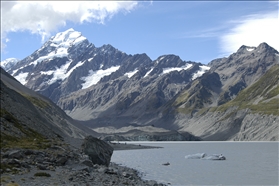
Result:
[[238, 99], [40, 144], [27, 115], [103, 87]]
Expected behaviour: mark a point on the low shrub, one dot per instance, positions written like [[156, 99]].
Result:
[[42, 174]]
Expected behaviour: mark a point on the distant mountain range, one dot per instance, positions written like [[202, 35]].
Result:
[[133, 97]]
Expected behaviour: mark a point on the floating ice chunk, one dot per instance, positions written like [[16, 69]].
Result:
[[196, 156], [204, 156], [214, 157]]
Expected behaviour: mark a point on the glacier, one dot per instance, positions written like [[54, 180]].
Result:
[[95, 76]]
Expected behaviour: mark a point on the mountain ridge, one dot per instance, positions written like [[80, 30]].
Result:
[[105, 87]]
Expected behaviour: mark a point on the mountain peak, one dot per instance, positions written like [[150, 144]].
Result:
[[245, 48], [9, 63], [67, 38], [265, 47]]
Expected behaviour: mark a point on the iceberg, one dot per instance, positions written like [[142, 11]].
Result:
[[196, 156], [204, 156]]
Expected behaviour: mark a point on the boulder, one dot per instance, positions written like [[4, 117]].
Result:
[[18, 154], [87, 163], [61, 160], [99, 151]]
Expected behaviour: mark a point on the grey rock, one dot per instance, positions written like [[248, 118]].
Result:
[[61, 160], [25, 165], [87, 163], [80, 167], [110, 171], [14, 162], [125, 174], [18, 154], [99, 152], [42, 167]]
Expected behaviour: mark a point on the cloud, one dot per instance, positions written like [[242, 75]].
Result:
[[251, 30], [43, 17]]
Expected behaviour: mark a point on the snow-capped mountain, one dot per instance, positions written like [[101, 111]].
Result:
[[105, 87], [68, 63], [7, 64]]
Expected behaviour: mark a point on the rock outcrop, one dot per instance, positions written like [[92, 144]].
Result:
[[99, 152]]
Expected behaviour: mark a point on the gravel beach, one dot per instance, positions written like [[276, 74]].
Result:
[[66, 168]]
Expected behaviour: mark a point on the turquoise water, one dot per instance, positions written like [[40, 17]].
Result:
[[247, 163]]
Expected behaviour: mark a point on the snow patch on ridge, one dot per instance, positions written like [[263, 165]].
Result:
[[200, 72], [147, 73], [249, 49], [170, 69], [61, 73], [60, 53], [22, 77], [95, 76], [58, 74], [131, 73]]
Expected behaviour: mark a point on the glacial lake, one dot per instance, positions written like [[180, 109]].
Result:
[[247, 163]]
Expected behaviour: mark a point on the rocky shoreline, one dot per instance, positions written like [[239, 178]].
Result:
[[62, 165]]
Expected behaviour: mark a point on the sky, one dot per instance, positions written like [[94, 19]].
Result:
[[197, 31]]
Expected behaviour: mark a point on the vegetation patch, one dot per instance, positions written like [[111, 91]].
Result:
[[261, 97], [5, 179], [30, 138], [203, 111], [181, 99], [12, 184], [42, 174], [274, 92], [36, 101], [266, 90], [12, 168]]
